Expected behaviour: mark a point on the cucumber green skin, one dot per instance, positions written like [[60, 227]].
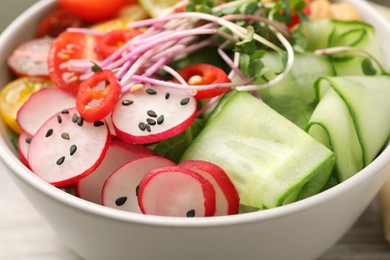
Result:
[[294, 96], [300, 80], [352, 118], [366, 99], [332, 125], [266, 156], [322, 34]]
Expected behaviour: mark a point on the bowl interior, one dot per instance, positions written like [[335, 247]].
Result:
[[23, 28]]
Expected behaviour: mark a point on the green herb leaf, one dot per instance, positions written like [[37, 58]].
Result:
[[368, 67], [95, 67], [173, 148]]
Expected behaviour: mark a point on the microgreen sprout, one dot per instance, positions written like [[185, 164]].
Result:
[[235, 28], [369, 63]]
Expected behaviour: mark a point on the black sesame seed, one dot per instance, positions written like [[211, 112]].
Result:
[[65, 136], [120, 201], [147, 127], [49, 132], [73, 149], [60, 160], [150, 121], [75, 117], [80, 121], [184, 101], [167, 95], [98, 123], [150, 91], [151, 113], [59, 119], [28, 140], [142, 126], [137, 190], [190, 213], [160, 119], [127, 102], [65, 111]]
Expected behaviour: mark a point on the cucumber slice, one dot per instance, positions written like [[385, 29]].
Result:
[[323, 34], [299, 82], [266, 156], [367, 101], [332, 125], [294, 96]]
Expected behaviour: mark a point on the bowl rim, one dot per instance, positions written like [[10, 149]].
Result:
[[17, 169]]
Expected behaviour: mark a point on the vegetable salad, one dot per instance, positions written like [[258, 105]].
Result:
[[199, 108]]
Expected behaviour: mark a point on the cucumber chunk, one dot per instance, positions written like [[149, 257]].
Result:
[[322, 34], [332, 125], [366, 99], [267, 157]]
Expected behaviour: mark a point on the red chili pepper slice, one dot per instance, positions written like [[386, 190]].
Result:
[[93, 102], [113, 40], [205, 74]]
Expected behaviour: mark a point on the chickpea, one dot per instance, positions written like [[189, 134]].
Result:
[[321, 9], [345, 11]]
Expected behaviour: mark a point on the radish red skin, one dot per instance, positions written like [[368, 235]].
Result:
[[23, 143], [208, 191], [136, 116], [42, 105], [222, 180], [124, 181], [30, 58], [39, 152], [152, 138]]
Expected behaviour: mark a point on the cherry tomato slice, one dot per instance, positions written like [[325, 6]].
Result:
[[13, 96], [68, 46], [93, 10], [30, 58], [205, 74], [295, 20], [113, 40], [57, 22], [93, 102]]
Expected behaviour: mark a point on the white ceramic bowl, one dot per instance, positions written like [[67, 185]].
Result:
[[302, 230]]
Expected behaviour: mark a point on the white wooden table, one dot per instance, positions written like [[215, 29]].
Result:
[[25, 235]]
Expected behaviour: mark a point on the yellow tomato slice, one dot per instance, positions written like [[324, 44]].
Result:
[[13, 96], [128, 14]]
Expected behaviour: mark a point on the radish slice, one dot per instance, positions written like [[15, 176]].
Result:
[[120, 189], [66, 148], [176, 191], [23, 146], [152, 114], [40, 106], [227, 199], [90, 188], [30, 58]]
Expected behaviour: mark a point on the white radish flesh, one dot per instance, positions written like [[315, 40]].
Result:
[[41, 106], [66, 149], [121, 188], [176, 191], [90, 188], [23, 146], [30, 58], [227, 199], [152, 114]]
